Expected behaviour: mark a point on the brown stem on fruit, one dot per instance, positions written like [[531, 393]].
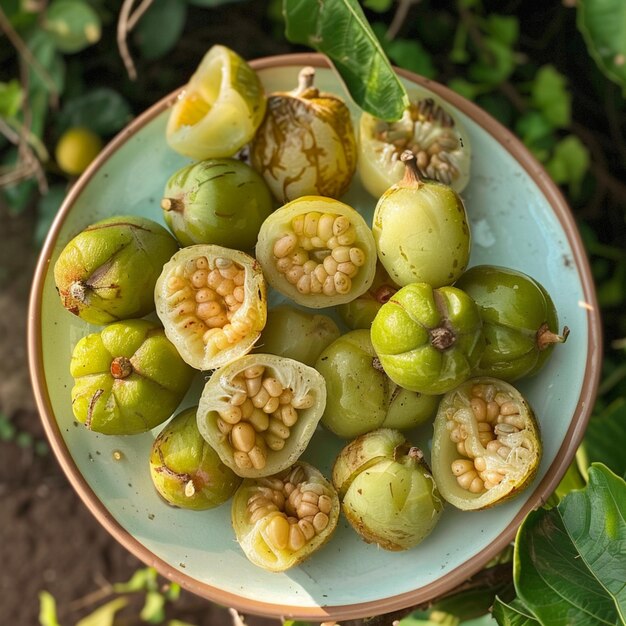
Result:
[[377, 365], [546, 338], [121, 367], [172, 204], [78, 291], [442, 338], [411, 171], [383, 293], [305, 81], [90, 408], [401, 451], [416, 454]]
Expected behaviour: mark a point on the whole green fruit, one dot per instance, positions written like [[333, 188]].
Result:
[[108, 271], [428, 340], [421, 230], [360, 396], [185, 469], [219, 201], [386, 490], [128, 378], [519, 321]]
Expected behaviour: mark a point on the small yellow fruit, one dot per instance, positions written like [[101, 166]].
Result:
[[76, 149]]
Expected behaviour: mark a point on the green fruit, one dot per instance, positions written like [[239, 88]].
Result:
[[260, 412], [421, 230], [297, 334], [109, 270], [428, 340], [360, 312], [519, 321], [360, 396], [486, 444], [386, 490], [317, 251], [220, 201], [76, 149], [72, 24], [128, 378], [281, 520], [185, 470]]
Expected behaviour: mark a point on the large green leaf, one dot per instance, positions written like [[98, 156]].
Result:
[[340, 30], [512, 614], [153, 40], [569, 565], [603, 26]]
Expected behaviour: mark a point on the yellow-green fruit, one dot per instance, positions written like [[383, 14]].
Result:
[[128, 378], [486, 444], [281, 520], [185, 470], [386, 490], [108, 271], [76, 149]]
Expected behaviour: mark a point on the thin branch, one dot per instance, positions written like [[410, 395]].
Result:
[[126, 22], [138, 13], [399, 18]]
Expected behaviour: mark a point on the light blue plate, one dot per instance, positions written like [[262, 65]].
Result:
[[518, 219]]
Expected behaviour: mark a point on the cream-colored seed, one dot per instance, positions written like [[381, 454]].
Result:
[[247, 408], [185, 308], [316, 285], [243, 436], [214, 279], [284, 265], [328, 288], [318, 243], [259, 420], [285, 246], [261, 397], [332, 243], [271, 405], [205, 295], [461, 466], [309, 266], [304, 284], [297, 223], [460, 448], [330, 265], [311, 497], [278, 531], [175, 283], [306, 243], [206, 310], [509, 408], [501, 398], [315, 488], [341, 254], [254, 385], [320, 521], [299, 257], [232, 414], [492, 477], [296, 537], [343, 284], [198, 278], [324, 504], [225, 287], [272, 386], [320, 273], [202, 263], [288, 415], [242, 459], [277, 428], [303, 402], [307, 528], [294, 274], [257, 457], [347, 238], [505, 429], [311, 220], [231, 301], [216, 321], [239, 294], [273, 442], [348, 268], [325, 226], [262, 512], [224, 427], [466, 478], [357, 256], [514, 420], [286, 396], [240, 278], [340, 225], [306, 508], [493, 410], [479, 407], [480, 463]]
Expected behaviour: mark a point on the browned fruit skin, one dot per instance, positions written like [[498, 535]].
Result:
[[305, 144]]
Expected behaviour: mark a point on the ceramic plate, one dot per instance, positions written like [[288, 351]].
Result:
[[518, 219]]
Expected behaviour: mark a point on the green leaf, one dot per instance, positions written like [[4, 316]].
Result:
[[153, 610], [496, 64], [72, 24], [177, 622], [211, 4], [102, 110], [412, 56], [47, 609], [513, 614], [571, 481], [532, 127], [430, 618], [569, 163], [549, 94], [504, 28], [11, 97], [105, 614], [601, 23], [464, 87], [291, 622], [160, 28], [570, 567], [7, 430], [605, 438], [380, 6], [142, 580], [339, 29]]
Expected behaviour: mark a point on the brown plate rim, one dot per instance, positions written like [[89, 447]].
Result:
[[363, 609]]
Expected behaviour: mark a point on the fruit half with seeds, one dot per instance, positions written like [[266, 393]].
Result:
[[386, 490], [421, 230], [428, 340], [128, 378], [260, 412], [185, 470], [283, 519], [108, 271], [486, 444], [317, 251], [361, 397], [219, 109], [519, 321], [305, 145], [427, 129], [220, 201], [212, 303]]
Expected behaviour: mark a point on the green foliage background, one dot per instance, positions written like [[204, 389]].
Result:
[[552, 72]]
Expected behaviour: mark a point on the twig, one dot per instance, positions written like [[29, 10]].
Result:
[[237, 619], [126, 22], [399, 18], [24, 51]]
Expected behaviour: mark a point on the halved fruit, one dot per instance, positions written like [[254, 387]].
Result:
[[486, 444], [212, 303], [219, 110]]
